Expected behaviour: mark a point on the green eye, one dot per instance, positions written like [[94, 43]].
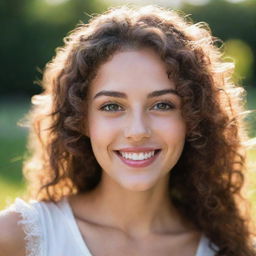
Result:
[[163, 106], [112, 107]]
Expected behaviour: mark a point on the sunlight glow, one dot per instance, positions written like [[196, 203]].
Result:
[[55, 2], [235, 1], [171, 3], [196, 2], [167, 3]]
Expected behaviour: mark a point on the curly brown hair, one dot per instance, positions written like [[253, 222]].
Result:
[[205, 185]]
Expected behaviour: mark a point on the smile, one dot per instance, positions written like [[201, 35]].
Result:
[[138, 159], [137, 156]]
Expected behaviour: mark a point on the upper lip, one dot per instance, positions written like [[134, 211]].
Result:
[[138, 149]]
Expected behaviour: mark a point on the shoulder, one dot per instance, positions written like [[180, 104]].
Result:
[[12, 236], [20, 232], [34, 228]]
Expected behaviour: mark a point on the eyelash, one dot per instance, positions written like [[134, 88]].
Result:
[[167, 103]]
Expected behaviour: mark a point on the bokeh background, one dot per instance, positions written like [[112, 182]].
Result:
[[32, 29]]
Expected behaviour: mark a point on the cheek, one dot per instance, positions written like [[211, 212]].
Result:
[[102, 130], [173, 129]]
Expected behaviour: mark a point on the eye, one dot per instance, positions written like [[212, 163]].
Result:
[[163, 106], [114, 107], [111, 107]]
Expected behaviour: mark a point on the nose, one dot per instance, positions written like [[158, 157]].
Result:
[[137, 128]]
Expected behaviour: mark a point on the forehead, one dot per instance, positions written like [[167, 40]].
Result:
[[131, 70]]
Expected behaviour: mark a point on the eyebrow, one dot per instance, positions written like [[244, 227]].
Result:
[[123, 95]]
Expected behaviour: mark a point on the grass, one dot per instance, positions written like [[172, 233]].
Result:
[[13, 141]]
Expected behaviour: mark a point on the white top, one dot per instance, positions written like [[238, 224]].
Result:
[[51, 230]]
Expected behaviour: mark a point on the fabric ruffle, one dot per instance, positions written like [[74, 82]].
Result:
[[30, 223]]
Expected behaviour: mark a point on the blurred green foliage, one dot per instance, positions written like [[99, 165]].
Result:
[[32, 29], [242, 56], [12, 148], [234, 23], [30, 32]]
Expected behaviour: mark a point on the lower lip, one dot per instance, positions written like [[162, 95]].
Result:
[[138, 163]]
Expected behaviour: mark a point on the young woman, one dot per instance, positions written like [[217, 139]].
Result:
[[136, 145]]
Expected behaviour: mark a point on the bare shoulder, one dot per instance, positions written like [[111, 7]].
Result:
[[12, 236]]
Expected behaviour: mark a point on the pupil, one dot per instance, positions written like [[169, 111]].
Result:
[[161, 105], [112, 107]]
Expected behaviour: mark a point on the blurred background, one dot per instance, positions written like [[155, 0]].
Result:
[[32, 29]]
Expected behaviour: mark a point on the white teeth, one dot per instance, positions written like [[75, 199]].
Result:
[[137, 156]]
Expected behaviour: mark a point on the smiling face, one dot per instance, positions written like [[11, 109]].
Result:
[[134, 120]]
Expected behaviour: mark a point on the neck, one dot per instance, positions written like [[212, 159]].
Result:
[[137, 213]]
